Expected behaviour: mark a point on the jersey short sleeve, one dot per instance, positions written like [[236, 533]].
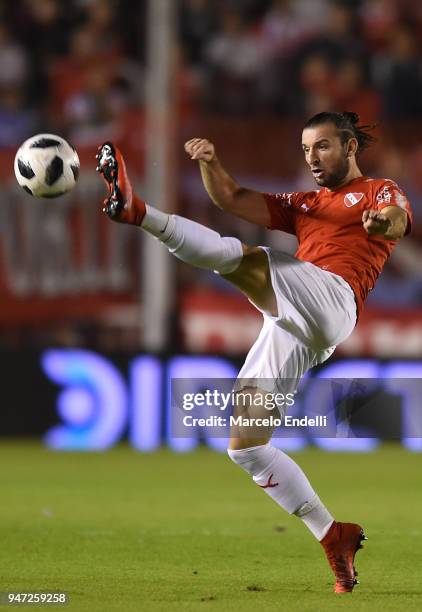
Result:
[[390, 194], [281, 207]]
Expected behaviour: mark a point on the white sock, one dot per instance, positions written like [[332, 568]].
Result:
[[155, 221], [192, 242], [284, 481], [316, 517]]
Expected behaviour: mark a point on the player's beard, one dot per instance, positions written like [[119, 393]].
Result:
[[337, 176]]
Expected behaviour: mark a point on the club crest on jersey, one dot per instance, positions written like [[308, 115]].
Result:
[[350, 199]]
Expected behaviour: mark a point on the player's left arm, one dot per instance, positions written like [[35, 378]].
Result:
[[390, 222], [389, 214]]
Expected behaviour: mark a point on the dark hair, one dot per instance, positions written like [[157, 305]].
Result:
[[347, 124]]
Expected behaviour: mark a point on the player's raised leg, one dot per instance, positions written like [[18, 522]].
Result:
[[245, 267]]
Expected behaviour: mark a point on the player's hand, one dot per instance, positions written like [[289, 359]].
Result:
[[375, 222], [200, 149]]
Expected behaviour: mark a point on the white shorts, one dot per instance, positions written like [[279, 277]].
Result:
[[316, 311]]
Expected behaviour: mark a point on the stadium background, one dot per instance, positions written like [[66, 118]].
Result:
[[243, 73]]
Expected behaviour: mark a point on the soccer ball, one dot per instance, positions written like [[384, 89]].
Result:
[[46, 166]]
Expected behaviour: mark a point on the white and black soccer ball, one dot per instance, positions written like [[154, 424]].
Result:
[[46, 166]]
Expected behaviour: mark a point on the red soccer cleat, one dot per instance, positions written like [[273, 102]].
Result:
[[341, 543], [122, 204]]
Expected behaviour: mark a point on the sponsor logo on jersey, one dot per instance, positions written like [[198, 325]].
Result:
[[350, 199], [391, 194], [286, 198], [384, 196]]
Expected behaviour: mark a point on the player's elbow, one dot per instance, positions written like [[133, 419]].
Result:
[[394, 234], [398, 223], [397, 230], [229, 199]]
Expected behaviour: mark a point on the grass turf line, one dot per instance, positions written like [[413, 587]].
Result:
[[127, 531]]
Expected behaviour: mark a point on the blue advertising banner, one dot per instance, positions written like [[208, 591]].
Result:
[[81, 400]]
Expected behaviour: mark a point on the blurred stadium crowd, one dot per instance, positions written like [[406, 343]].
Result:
[[69, 66], [78, 68], [79, 64], [303, 56]]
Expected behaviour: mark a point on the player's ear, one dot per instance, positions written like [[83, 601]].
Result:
[[352, 147]]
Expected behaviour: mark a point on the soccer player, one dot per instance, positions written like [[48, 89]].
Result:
[[346, 230]]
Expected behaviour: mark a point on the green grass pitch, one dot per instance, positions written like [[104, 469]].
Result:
[[126, 531]]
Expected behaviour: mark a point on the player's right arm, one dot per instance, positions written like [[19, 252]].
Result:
[[223, 190]]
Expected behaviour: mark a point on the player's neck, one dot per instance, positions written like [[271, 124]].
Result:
[[353, 174]]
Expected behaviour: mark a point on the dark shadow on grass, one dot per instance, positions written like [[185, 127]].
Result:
[[255, 587]]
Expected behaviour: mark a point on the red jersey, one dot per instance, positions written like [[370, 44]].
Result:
[[328, 226]]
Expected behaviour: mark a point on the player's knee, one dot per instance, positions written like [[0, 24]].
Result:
[[253, 278], [251, 272]]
